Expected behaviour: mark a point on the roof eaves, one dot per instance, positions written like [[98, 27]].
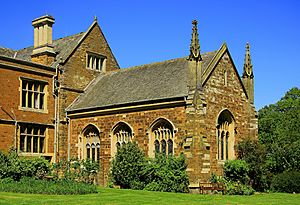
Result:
[[141, 102]]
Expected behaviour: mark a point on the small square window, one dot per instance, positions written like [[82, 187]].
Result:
[[95, 62]]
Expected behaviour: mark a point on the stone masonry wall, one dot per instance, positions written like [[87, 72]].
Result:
[[219, 97], [140, 121], [10, 102], [76, 76]]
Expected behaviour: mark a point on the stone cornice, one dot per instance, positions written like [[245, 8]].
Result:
[[127, 108], [16, 64]]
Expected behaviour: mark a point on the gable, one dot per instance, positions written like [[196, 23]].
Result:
[[93, 40], [223, 56]]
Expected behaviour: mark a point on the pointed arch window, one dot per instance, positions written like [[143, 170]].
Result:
[[161, 138], [170, 147], [122, 134], [225, 136], [91, 141]]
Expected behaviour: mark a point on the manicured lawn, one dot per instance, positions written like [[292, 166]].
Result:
[[117, 196]]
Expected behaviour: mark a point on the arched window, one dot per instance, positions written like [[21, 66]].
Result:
[[88, 151], [121, 134], [222, 145], [163, 147], [225, 136], [91, 141], [157, 146], [170, 147], [98, 151], [161, 138]]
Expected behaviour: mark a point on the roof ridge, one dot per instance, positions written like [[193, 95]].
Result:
[[55, 40], [159, 62]]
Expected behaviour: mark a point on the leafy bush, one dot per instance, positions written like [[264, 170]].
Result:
[[31, 185], [237, 171], [130, 169], [11, 165], [237, 188], [166, 174], [288, 181], [77, 170], [127, 166]]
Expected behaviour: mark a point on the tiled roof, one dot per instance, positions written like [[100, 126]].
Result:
[[156, 81], [7, 52], [62, 46]]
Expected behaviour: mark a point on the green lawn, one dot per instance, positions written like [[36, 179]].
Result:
[[117, 196]]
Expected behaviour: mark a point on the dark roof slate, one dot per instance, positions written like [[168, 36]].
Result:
[[156, 81], [7, 52], [62, 46]]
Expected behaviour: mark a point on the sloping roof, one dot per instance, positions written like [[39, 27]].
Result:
[[7, 52], [62, 46], [156, 81]]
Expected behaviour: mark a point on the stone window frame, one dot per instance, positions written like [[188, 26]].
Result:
[[225, 136], [225, 73], [95, 61], [32, 98], [121, 133], [35, 136], [89, 143], [162, 136]]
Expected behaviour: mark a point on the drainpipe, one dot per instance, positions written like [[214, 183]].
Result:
[[69, 136], [56, 86], [55, 117], [16, 130]]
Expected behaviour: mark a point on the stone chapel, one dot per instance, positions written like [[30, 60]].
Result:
[[72, 100]]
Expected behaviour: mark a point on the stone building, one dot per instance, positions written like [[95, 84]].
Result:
[[26, 106], [66, 66], [196, 105]]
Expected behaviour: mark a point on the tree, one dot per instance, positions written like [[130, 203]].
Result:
[[279, 131], [127, 166], [254, 154]]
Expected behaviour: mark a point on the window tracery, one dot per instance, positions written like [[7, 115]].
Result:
[[122, 134], [225, 136], [161, 138], [91, 142]]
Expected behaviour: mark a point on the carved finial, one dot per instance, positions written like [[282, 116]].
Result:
[[95, 18], [195, 46], [248, 71]]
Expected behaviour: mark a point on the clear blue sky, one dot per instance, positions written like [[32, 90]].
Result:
[[141, 32]]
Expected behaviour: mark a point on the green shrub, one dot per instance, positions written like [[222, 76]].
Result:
[[130, 169], [288, 181], [166, 174], [11, 165], [237, 188], [237, 171], [127, 165], [34, 186], [77, 170]]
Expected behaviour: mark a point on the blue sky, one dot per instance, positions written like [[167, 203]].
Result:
[[141, 32]]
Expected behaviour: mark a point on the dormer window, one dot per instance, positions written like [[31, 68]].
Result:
[[95, 61]]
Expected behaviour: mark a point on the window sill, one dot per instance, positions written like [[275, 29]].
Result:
[[33, 110], [31, 154]]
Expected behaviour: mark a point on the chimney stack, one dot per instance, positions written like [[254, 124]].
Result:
[[43, 51]]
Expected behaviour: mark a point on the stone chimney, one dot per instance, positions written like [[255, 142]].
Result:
[[43, 51]]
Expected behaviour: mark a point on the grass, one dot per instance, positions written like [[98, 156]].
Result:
[[132, 197]]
